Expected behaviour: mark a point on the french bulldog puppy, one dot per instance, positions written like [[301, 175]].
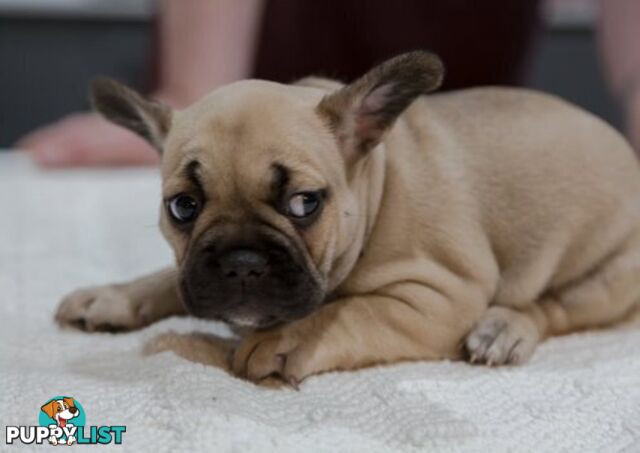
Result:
[[346, 226]]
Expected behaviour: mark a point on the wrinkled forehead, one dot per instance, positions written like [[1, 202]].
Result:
[[240, 133]]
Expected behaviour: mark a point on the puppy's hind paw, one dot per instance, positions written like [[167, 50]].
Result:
[[502, 337]]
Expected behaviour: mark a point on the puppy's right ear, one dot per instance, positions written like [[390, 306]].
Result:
[[123, 106], [49, 408]]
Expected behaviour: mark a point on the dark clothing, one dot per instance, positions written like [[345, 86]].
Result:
[[482, 42]]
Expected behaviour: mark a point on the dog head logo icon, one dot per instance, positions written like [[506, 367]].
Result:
[[63, 415], [61, 410]]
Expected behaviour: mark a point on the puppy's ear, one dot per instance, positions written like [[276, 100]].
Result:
[[49, 408], [360, 113], [69, 401], [122, 105]]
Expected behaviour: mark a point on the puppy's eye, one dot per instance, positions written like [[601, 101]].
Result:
[[303, 204], [184, 208]]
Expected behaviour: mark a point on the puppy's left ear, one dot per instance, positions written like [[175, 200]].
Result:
[[69, 401], [360, 113], [122, 105]]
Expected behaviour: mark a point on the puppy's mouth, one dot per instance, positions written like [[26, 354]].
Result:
[[241, 313], [251, 321]]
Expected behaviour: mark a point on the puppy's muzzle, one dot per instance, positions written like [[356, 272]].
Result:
[[256, 281]]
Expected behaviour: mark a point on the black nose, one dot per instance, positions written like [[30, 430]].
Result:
[[243, 264], [73, 410]]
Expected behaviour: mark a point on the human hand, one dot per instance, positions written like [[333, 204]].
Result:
[[86, 139]]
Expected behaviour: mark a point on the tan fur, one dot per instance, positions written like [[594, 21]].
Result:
[[488, 218]]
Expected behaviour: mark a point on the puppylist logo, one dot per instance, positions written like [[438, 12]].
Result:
[[61, 421]]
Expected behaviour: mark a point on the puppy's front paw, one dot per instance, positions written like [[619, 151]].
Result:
[[71, 440], [53, 440], [288, 352], [102, 308], [502, 337]]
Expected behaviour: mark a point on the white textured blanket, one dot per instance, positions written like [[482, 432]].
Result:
[[64, 229]]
